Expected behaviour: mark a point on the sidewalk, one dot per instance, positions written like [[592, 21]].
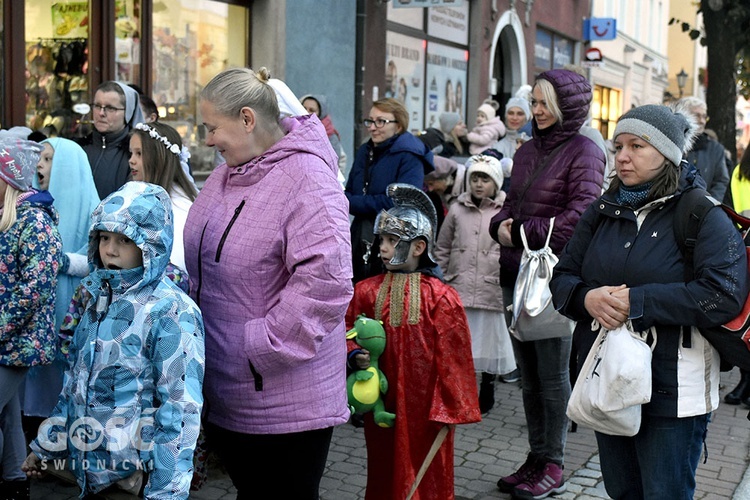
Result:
[[497, 446]]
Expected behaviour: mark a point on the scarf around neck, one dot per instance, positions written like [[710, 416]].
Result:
[[635, 196]]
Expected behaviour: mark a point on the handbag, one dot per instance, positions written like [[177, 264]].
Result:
[[534, 315], [613, 383]]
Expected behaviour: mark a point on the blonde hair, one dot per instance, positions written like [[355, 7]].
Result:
[[9, 208], [236, 88], [550, 96]]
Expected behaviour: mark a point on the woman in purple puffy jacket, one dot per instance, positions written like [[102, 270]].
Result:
[[556, 174]]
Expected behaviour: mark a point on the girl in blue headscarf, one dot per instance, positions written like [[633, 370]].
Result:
[[64, 171]]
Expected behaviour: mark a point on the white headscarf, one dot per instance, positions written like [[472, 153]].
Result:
[[133, 113]]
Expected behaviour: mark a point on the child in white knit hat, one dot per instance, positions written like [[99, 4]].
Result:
[[468, 256], [488, 129]]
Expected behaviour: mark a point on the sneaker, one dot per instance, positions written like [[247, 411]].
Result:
[[508, 483], [543, 483], [511, 377]]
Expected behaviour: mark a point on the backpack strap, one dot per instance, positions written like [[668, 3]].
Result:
[[692, 207]]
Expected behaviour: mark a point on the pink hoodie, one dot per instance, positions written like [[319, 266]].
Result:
[[484, 135]]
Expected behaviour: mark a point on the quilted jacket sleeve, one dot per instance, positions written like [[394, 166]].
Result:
[[178, 361]]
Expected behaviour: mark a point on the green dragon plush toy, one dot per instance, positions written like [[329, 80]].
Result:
[[363, 387]]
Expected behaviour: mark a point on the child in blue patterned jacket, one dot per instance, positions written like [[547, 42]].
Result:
[[132, 397], [30, 251]]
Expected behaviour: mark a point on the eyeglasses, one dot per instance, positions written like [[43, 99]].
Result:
[[107, 109], [379, 123]]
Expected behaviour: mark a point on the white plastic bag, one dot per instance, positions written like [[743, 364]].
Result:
[[613, 383]]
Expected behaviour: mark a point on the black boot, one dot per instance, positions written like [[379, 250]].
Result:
[[486, 392], [741, 393], [15, 490]]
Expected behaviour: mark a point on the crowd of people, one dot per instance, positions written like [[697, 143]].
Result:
[[168, 320]]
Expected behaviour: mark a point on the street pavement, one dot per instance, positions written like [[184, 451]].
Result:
[[497, 446]]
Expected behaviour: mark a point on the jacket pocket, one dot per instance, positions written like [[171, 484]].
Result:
[[494, 280], [450, 277]]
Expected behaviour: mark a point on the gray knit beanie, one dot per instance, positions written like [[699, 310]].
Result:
[[669, 132], [519, 102], [448, 121]]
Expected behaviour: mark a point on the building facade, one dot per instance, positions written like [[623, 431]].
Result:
[[449, 56]]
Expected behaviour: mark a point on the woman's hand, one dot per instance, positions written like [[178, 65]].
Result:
[[503, 233], [609, 305]]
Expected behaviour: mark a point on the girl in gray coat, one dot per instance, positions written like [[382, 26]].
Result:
[[468, 257]]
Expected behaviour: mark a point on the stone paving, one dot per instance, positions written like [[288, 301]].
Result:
[[497, 446]]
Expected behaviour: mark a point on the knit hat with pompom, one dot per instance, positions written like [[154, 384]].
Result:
[[671, 133]]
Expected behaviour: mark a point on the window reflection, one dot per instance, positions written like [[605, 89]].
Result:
[[56, 65], [191, 44]]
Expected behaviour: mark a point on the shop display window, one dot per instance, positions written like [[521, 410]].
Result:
[[191, 44], [605, 110], [128, 40], [56, 65]]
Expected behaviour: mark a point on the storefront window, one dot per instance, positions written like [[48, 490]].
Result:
[[605, 110], [56, 65], [128, 40], [191, 44], [552, 50], [428, 73]]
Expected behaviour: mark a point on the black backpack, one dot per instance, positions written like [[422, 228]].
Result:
[[732, 339]]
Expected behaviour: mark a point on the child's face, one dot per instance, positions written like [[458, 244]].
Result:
[[437, 185], [136, 159], [481, 117], [117, 251], [388, 244], [482, 185], [44, 167]]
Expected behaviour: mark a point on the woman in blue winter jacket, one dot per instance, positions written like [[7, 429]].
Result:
[[391, 155], [623, 265]]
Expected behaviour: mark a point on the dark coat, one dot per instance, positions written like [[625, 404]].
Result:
[[708, 157], [609, 249], [108, 155], [566, 187], [402, 158]]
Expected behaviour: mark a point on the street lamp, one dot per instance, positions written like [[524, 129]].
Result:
[[681, 80]]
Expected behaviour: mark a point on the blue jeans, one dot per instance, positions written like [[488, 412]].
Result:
[[658, 462], [545, 382]]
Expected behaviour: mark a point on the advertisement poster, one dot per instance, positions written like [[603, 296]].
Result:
[[446, 83], [70, 19], [449, 23], [404, 75]]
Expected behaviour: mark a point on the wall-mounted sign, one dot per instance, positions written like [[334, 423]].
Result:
[[600, 28]]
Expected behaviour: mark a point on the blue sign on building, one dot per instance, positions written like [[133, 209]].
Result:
[[600, 28]]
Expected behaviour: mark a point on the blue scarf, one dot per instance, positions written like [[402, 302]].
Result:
[[634, 197]]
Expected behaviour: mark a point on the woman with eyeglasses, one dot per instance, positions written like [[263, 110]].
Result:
[[115, 111], [391, 155]]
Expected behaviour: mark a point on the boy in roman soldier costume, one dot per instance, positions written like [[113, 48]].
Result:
[[427, 358]]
